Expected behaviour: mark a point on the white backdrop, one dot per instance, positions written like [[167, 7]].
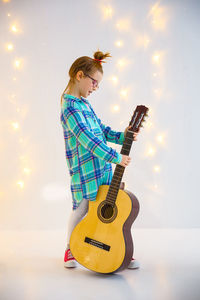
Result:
[[155, 61]]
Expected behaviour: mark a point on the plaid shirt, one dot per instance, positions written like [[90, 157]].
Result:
[[88, 156]]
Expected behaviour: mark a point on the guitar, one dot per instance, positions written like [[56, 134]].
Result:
[[102, 240]]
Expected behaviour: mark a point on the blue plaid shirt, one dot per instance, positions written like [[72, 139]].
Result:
[[88, 156]]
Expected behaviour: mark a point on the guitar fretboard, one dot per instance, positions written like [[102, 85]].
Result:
[[119, 170]]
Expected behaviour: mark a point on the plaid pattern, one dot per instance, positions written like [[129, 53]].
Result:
[[88, 156]]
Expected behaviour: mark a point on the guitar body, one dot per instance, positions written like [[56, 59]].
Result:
[[102, 240]]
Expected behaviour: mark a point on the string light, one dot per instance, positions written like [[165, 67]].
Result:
[[114, 79], [122, 63], [107, 12], [156, 169], [123, 25], [159, 17], [14, 28], [151, 151], [9, 47], [18, 63], [119, 44], [20, 184], [115, 108], [124, 93], [15, 125], [160, 138], [27, 171]]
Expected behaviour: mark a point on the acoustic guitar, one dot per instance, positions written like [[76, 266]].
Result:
[[102, 240]]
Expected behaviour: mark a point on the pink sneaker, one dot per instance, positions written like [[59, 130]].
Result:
[[69, 260], [134, 264]]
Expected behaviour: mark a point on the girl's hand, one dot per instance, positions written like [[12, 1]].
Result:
[[134, 133], [125, 160]]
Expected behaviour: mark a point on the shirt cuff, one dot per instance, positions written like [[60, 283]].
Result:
[[118, 159]]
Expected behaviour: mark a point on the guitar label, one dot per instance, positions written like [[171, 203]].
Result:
[[97, 244]]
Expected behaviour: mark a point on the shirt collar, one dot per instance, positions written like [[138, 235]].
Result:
[[66, 96]]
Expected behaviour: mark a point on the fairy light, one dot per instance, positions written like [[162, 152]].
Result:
[[5, 1], [151, 151], [114, 79], [107, 12], [123, 25], [15, 125], [155, 74], [119, 44], [14, 28], [9, 47], [159, 16], [160, 138], [18, 63], [124, 93], [8, 15], [20, 184], [115, 108], [122, 63], [27, 171], [156, 58], [156, 169], [158, 92]]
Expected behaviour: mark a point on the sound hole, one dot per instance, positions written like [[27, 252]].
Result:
[[107, 211]]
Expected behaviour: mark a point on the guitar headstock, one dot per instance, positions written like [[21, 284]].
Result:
[[138, 117]]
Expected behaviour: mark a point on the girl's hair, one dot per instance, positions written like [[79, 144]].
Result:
[[86, 64]]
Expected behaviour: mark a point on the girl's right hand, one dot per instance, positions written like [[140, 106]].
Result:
[[125, 160]]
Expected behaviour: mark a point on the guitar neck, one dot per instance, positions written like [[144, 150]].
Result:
[[119, 170]]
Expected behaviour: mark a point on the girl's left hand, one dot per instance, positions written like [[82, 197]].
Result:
[[134, 133]]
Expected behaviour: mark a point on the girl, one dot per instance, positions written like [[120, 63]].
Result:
[[88, 156]]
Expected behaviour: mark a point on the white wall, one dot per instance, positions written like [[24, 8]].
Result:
[[52, 34]]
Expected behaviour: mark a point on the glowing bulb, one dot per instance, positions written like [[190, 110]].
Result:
[[156, 168], [15, 125], [123, 25], [155, 74], [20, 184], [14, 28], [107, 12], [122, 63], [6, 1], [116, 108], [159, 17], [119, 43], [114, 79], [9, 47], [27, 170], [17, 63], [8, 15], [160, 139], [151, 151], [124, 93], [156, 58], [14, 78]]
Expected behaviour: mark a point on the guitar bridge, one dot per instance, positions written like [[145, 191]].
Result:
[[97, 244]]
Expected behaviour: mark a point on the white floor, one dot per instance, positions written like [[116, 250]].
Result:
[[31, 268]]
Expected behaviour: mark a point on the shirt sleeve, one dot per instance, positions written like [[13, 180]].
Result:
[[76, 123], [111, 135]]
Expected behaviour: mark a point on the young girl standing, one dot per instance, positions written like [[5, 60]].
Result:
[[88, 156]]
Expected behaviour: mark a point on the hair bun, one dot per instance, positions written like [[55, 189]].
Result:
[[99, 56]]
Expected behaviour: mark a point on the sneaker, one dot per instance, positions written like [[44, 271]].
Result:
[[134, 264], [69, 260]]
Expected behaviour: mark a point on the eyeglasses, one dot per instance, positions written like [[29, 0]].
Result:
[[94, 81]]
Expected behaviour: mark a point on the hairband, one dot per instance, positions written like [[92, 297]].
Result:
[[100, 60]]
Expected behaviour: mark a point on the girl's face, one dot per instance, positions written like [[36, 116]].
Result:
[[89, 83]]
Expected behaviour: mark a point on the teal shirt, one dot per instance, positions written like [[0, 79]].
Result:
[[88, 156]]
